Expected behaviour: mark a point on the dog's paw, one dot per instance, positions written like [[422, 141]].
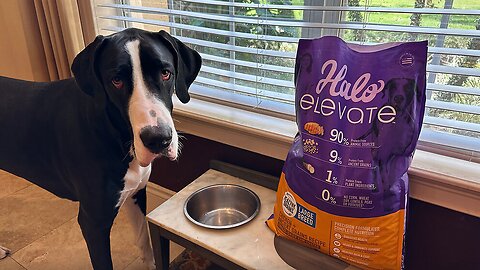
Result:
[[150, 264], [4, 252]]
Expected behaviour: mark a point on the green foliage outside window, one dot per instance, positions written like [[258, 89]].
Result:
[[365, 36]]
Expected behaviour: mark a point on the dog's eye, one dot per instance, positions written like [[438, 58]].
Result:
[[165, 75], [117, 82]]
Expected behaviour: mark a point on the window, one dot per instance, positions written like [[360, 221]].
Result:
[[249, 47]]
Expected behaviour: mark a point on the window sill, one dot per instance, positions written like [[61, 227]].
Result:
[[436, 179]]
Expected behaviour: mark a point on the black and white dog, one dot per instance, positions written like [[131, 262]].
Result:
[[93, 138]]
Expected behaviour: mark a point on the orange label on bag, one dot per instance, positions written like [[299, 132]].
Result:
[[369, 243]]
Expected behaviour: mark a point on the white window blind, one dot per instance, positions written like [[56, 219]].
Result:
[[249, 47]]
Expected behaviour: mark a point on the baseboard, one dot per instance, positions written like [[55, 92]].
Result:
[[159, 191], [156, 195]]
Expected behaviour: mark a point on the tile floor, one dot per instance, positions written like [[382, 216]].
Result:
[[42, 231]]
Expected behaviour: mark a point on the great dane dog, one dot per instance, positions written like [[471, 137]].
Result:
[[92, 138]]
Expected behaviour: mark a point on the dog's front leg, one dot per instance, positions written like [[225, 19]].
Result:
[[4, 252], [136, 209], [96, 231]]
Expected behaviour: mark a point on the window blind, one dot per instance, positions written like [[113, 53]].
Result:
[[249, 47]]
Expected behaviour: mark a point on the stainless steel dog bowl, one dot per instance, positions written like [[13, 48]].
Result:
[[222, 206]]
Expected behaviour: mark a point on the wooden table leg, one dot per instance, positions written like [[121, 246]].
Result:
[[161, 247]]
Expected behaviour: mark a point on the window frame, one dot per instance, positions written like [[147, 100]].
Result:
[[430, 139], [435, 174]]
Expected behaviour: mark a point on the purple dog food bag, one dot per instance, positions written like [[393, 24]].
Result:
[[344, 185]]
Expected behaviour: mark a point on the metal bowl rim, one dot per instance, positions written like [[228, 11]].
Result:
[[255, 196]]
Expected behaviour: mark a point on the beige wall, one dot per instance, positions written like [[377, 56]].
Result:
[[21, 50], [22, 53]]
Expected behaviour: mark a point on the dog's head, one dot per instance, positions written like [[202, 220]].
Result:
[[400, 93], [138, 72], [302, 64]]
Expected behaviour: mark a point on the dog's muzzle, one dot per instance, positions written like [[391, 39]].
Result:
[[156, 138]]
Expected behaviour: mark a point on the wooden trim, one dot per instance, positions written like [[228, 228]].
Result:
[[159, 191], [259, 133], [446, 195]]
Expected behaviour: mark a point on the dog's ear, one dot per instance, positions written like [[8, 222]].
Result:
[[188, 63], [418, 93], [387, 87], [83, 66], [303, 62]]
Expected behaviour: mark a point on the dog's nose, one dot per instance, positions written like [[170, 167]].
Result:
[[156, 138], [398, 99]]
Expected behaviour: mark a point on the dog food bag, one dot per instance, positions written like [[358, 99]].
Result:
[[344, 186]]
